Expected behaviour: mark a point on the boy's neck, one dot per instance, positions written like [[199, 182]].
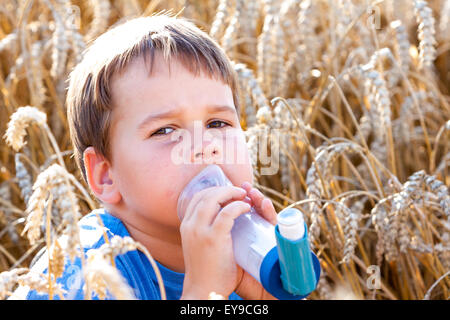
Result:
[[162, 242], [167, 252]]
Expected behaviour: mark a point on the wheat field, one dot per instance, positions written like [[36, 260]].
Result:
[[354, 95]]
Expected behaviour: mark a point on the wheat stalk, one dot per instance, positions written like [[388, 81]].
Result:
[[20, 120], [265, 49], [426, 21], [402, 44], [25, 277], [100, 275], [101, 11], [250, 85], [232, 30], [54, 181], [60, 43], [324, 159], [24, 178], [222, 14]]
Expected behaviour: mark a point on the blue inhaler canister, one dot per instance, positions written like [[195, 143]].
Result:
[[284, 266], [296, 262], [290, 271]]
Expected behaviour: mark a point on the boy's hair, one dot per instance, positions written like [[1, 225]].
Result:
[[89, 104]]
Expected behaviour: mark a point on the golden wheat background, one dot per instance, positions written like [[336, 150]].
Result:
[[353, 94]]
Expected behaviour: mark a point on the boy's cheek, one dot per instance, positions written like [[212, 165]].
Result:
[[171, 195], [236, 148]]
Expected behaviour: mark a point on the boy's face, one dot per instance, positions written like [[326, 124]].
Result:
[[152, 162]]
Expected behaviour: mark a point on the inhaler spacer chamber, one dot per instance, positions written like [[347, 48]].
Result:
[[279, 257]]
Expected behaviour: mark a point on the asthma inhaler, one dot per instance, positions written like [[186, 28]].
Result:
[[278, 257]]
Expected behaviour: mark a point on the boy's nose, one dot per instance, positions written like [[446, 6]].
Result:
[[209, 152]]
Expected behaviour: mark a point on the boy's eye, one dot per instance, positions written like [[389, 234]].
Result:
[[212, 124], [216, 124], [160, 132]]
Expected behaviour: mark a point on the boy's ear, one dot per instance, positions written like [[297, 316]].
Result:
[[98, 174]]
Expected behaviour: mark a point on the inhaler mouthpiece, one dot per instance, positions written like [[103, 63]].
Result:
[[211, 176]]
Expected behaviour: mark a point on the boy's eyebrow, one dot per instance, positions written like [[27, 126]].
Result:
[[175, 113]]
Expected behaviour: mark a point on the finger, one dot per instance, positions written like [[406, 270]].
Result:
[[262, 204], [248, 200], [213, 200], [257, 197], [247, 186], [224, 221], [268, 211], [190, 209]]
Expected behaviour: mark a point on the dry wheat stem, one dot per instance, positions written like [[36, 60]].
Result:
[[349, 110], [426, 32], [22, 35], [416, 104], [8, 280], [444, 128], [18, 123], [116, 246], [100, 277], [48, 239], [8, 255], [162, 290], [24, 178]]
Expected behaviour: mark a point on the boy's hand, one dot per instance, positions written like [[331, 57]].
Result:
[[207, 245], [262, 204]]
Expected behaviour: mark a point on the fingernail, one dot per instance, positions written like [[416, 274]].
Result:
[[245, 183]]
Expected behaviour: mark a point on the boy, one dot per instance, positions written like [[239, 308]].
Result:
[[140, 85]]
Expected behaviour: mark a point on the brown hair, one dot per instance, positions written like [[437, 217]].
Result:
[[89, 104]]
